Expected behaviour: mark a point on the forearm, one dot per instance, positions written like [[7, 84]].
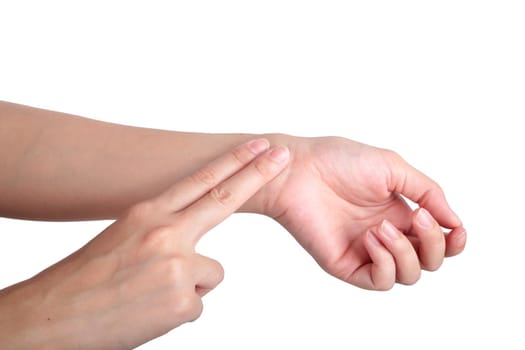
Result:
[[24, 324], [62, 167]]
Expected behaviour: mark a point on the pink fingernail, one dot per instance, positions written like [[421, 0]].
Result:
[[279, 154], [389, 230], [424, 218], [259, 145]]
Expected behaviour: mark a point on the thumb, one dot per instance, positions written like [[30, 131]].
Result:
[[421, 189]]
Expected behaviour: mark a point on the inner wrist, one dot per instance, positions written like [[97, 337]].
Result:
[[263, 201]]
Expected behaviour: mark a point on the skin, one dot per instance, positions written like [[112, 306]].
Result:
[[141, 277], [343, 201], [357, 192]]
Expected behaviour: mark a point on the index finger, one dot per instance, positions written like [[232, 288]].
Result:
[[421, 189], [225, 198], [191, 188]]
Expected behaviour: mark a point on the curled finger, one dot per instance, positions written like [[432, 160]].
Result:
[[207, 274], [380, 273], [408, 269], [431, 240]]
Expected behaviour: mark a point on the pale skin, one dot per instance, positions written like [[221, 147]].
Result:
[[340, 199]]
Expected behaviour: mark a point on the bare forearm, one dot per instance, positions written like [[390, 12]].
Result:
[[62, 167]]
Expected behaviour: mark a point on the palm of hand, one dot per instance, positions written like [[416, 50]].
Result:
[[334, 192]]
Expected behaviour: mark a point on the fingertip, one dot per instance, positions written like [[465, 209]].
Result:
[[456, 242], [443, 213], [270, 164], [454, 218], [280, 155], [257, 146], [228, 196], [461, 237]]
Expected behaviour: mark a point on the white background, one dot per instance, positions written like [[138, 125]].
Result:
[[440, 82]]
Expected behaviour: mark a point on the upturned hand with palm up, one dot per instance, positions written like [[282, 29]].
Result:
[[344, 202]]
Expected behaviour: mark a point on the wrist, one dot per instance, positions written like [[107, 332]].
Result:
[[263, 201]]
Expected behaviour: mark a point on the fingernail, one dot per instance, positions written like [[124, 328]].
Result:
[[424, 218], [279, 154], [373, 238], [259, 145], [389, 230]]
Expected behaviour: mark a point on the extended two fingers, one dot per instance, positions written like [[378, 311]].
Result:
[[191, 188], [202, 200], [225, 198]]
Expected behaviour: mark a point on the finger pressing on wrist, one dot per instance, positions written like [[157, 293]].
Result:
[[225, 198], [191, 188]]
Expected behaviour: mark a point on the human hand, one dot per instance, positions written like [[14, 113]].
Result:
[[342, 202], [141, 277]]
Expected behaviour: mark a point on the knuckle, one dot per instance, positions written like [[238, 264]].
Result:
[[187, 306], [141, 211], [222, 196], [159, 240], [205, 176], [438, 188], [196, 312], [217, 271], [391, 155], [433, 190], [391, 158], [175, 269]]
